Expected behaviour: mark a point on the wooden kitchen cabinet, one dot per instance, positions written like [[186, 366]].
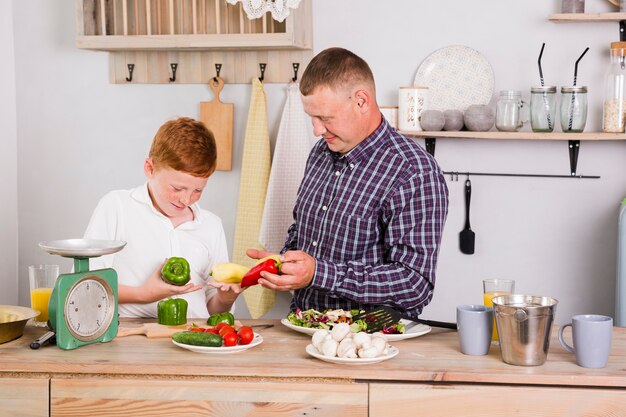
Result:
[[195, 35], [140, 376], [451, 400], [24, 397], [232, 398]]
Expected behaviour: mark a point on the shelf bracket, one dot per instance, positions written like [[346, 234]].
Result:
[[430, 145], [622, 30], [574, 147]]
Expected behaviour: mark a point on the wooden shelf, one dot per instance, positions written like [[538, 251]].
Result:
[[147, 39], [587, 17], [591, 136]]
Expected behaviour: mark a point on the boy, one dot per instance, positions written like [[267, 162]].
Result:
[[161, 219]]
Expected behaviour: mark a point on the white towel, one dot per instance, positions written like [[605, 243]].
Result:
[[290, 155]]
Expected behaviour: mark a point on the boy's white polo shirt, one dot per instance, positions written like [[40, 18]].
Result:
[[129, 215]]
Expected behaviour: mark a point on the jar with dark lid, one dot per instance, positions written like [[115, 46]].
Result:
[[614, 95]]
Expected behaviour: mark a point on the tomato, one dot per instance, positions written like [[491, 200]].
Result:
[[219, 326], [211, 331], [230, 339], [196, 329], [246, 334], [226, 330]]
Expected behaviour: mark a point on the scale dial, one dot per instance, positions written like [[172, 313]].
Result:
[[89, 308]]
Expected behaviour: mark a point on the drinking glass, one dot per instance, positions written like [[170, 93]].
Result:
[[42, 279], [493, 288]]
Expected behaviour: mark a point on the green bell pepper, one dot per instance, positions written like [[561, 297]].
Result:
[[176, 271], [225, 317], [172, 311]]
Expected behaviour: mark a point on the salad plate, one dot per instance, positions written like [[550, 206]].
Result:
[[258, 339], [417, 330], [392, 351], [457, 77]]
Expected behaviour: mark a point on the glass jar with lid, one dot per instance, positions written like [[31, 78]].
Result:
[[614, 90], [542, 108], [573, 109]]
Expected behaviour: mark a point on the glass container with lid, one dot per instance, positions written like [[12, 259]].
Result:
[[573, 109], [614, 95]]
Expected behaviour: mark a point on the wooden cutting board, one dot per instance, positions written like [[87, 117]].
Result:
[[156, 330], [150, 330], [218, 117]]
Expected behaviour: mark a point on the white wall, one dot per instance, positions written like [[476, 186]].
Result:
[[8, 160], [79, 136]]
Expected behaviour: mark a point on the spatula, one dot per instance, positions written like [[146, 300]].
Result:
[[467, 236], [378, 318]]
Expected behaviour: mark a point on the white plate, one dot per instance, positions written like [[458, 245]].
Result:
[[392, 351], [87, 248], [418, 330], [457, 77], [222, 349]]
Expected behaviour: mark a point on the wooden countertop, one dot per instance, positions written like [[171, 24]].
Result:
[[434, 357]]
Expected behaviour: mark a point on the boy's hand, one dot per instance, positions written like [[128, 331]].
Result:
[[224, 297], [156, 289]]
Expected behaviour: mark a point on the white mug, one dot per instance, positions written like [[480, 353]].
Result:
[[412, 101]]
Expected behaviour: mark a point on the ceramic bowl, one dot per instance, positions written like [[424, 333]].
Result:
[[13, 320]]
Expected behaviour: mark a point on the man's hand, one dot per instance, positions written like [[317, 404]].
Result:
[[257, 254], [297, 271]]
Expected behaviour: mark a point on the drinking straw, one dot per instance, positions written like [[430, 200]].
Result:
[[539, 63], [545, 98], [571, 109]]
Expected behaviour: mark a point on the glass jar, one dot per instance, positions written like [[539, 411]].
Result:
[[542, 108], [614, 94], [508, 118], [573, 109]]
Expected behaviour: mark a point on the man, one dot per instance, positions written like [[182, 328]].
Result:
[[371, 206]]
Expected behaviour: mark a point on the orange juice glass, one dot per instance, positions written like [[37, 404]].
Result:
[[42, 279], [493, 288]]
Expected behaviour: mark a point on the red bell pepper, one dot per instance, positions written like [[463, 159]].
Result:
[[253, 275]]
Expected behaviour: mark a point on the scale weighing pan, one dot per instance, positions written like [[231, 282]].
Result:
[[82, 248]]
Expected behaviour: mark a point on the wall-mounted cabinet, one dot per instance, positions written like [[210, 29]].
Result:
[[151, 35]]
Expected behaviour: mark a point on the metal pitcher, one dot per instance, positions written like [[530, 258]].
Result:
[[524, 323]]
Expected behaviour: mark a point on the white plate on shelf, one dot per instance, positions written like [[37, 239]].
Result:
[[457, 77], [418, 330], [222, 349], [392, 351]]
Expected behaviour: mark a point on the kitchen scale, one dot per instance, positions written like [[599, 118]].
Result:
[[83, 305]]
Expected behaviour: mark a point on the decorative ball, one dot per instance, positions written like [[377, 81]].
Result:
[[432, 120], [479, 118], [454, 120]]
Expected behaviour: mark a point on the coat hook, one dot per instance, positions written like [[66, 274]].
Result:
[[296, 66], [131, 67], [218, 68], [262, 67], [174, 66]]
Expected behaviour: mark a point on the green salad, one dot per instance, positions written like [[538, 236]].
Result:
[[326, 319]]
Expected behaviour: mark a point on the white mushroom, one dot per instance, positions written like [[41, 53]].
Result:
[[329, 348], [318, 338], [368, 352], [347, 349], [380, 343], [362, 340], [339, 331]]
